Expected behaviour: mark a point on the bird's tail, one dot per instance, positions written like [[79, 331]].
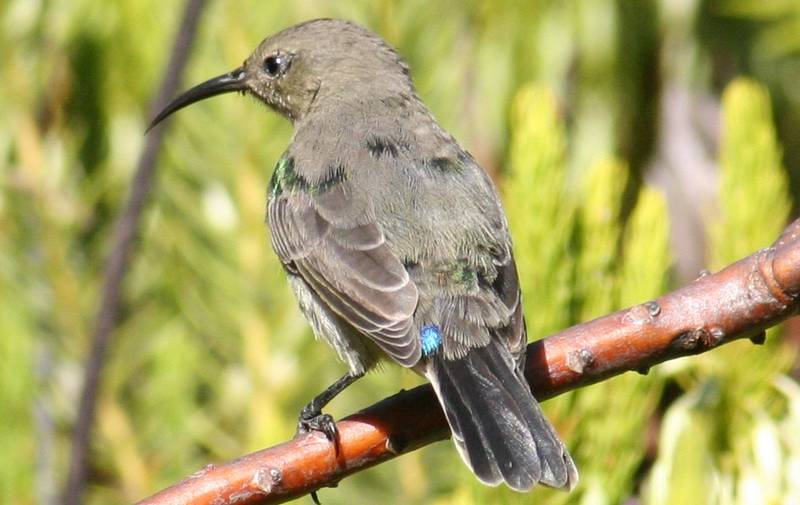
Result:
[[498, 427]]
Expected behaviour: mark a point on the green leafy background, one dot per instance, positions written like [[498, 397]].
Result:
[[562, 101]]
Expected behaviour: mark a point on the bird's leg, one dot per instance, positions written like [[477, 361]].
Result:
[[312, 418]]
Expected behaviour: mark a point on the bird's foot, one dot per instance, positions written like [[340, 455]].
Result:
[[311, 419]]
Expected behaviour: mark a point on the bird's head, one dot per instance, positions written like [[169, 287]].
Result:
[[309, 66]]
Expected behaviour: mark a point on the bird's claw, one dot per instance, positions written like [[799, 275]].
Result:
[[315, 498], [317, 421]]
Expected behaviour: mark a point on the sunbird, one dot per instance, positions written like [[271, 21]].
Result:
[[395, 243]]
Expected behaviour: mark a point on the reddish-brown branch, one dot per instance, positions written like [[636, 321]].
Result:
[[740, 301]]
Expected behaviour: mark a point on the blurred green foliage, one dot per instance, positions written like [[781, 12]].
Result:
[[583, 266], [559, 100], [732, 437]]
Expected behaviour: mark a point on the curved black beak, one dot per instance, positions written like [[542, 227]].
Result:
[[232, 81]]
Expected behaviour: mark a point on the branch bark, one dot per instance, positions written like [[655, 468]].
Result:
[[740, 301], [125, 233]]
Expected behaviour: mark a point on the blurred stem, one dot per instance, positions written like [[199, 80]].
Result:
[[119, 260]]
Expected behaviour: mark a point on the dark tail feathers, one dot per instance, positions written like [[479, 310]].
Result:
[[498, 427]]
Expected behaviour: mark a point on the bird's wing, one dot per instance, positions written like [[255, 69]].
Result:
[[472, 305], [468, 283], [347, 264]]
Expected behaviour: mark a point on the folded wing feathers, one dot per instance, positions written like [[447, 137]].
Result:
[[352, 269]]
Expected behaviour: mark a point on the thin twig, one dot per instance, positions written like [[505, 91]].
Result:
[[118, 263], [740, 301]]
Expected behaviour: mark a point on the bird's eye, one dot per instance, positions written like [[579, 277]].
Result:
[[276, 65]]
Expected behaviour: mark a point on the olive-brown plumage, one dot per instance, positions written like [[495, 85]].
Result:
[[395, 243]]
